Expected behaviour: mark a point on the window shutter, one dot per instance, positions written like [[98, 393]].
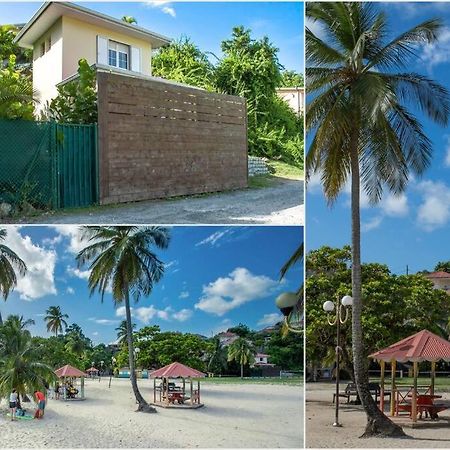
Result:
[[135, 59], [102, 50]]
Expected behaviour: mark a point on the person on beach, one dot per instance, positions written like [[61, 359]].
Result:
[[13, 398], [57, 391], [40, 400]]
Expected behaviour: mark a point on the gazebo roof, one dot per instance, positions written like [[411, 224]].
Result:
[[176, 370], [69, 371], [422, 346], [92, 369]]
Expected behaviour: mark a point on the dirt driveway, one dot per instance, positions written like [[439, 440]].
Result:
[[281, 203]]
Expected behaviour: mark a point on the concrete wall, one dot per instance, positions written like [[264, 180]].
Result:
[[294, 97], [160, 140], [47, 69]]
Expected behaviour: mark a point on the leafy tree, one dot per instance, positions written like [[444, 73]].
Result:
[[286, 351], [122, 256], [184, 62], [362, 129], [20, 361], [16, 93], [243, 352], [23, 57], [218, 355], [55, 320], [395, 306], [76, 101], [442, 266], [129, 19], [290, 78], [10, 263], [241, 330]]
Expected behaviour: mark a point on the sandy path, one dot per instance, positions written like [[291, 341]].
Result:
[[278, 204], [321, 434], [233, 416]]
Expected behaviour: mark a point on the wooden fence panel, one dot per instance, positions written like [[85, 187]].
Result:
[[158, 140]]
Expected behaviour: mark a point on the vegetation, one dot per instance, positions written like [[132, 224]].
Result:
[[122, 257], [242, 351], [16, 92], [129, 19], [76, 101], [55, 320], [249, 68], [10, 265], [442, 266], [363, 130], [8, 47], [289, 78]]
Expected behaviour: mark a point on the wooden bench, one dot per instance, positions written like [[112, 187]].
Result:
[[350, 390]]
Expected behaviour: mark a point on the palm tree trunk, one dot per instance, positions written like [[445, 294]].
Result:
[[1, 319], [377, 423], [143, 405], [242, 371]]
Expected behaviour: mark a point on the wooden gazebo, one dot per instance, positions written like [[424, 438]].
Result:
[[169, 386], [420, 347], [93, 372], [68, 374]]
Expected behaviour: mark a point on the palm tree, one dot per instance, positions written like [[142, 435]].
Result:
[[362, 128], [121, 257], [9, 264], [218, 357], [55, 320], [242, 351], [122, 331], [20, 366], [129, 19]]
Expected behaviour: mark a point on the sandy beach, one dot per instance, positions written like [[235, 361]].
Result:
[[234, 415], [321, 434]]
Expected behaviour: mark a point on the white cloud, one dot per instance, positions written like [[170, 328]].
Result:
[[214, 238], [434, 212], [95, 333], [371, 224], [447, 153], [75, 272], [70, 290], [438, 52], [103, 321], [52, 241], [314, 184], [73, 233], [184, 294], [316, 28], [146, 313], [171, 263], [395, 205], [230, 292], [270, 319], [39, 280], [183, 315], [164, 5]]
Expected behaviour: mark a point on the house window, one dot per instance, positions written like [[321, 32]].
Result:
[[43, 48], [49, 43], [118, 55]]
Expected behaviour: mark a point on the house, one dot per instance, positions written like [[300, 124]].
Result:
[[262, 359], [62, 33], [440, 280], [226, 338], [294, 97]]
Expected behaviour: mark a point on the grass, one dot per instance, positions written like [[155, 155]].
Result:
[[442, 384], [294, 381], [285, 170]]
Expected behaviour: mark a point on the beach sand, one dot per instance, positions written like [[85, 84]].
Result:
[[321, 434], [234, 415]]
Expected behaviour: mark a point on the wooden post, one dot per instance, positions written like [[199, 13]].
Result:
[[393, 388], [82, 387], [382, 386], [198, 387], [192, 392], [433, 376], [154, 390], [414, 393]]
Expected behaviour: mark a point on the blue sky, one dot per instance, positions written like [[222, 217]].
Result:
[[215, 277], [207, 23], [413, 229]]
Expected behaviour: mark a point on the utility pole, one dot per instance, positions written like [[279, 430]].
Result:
[[407, 269]]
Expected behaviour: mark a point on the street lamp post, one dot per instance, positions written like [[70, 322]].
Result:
[[136, 353], [338, 318], [291, 307], [101, 370], [113, 362]]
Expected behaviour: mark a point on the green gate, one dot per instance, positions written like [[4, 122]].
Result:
[[47, 165], [76, 165]]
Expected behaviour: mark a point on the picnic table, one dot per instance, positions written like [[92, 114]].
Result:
[[425, 404], [351, 391]]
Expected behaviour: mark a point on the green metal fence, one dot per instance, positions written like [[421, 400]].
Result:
[[47, 165]]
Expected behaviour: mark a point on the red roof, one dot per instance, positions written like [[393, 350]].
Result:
[[422, 346], [440, 274], [92, 369], [176, 370], [69, 371]]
